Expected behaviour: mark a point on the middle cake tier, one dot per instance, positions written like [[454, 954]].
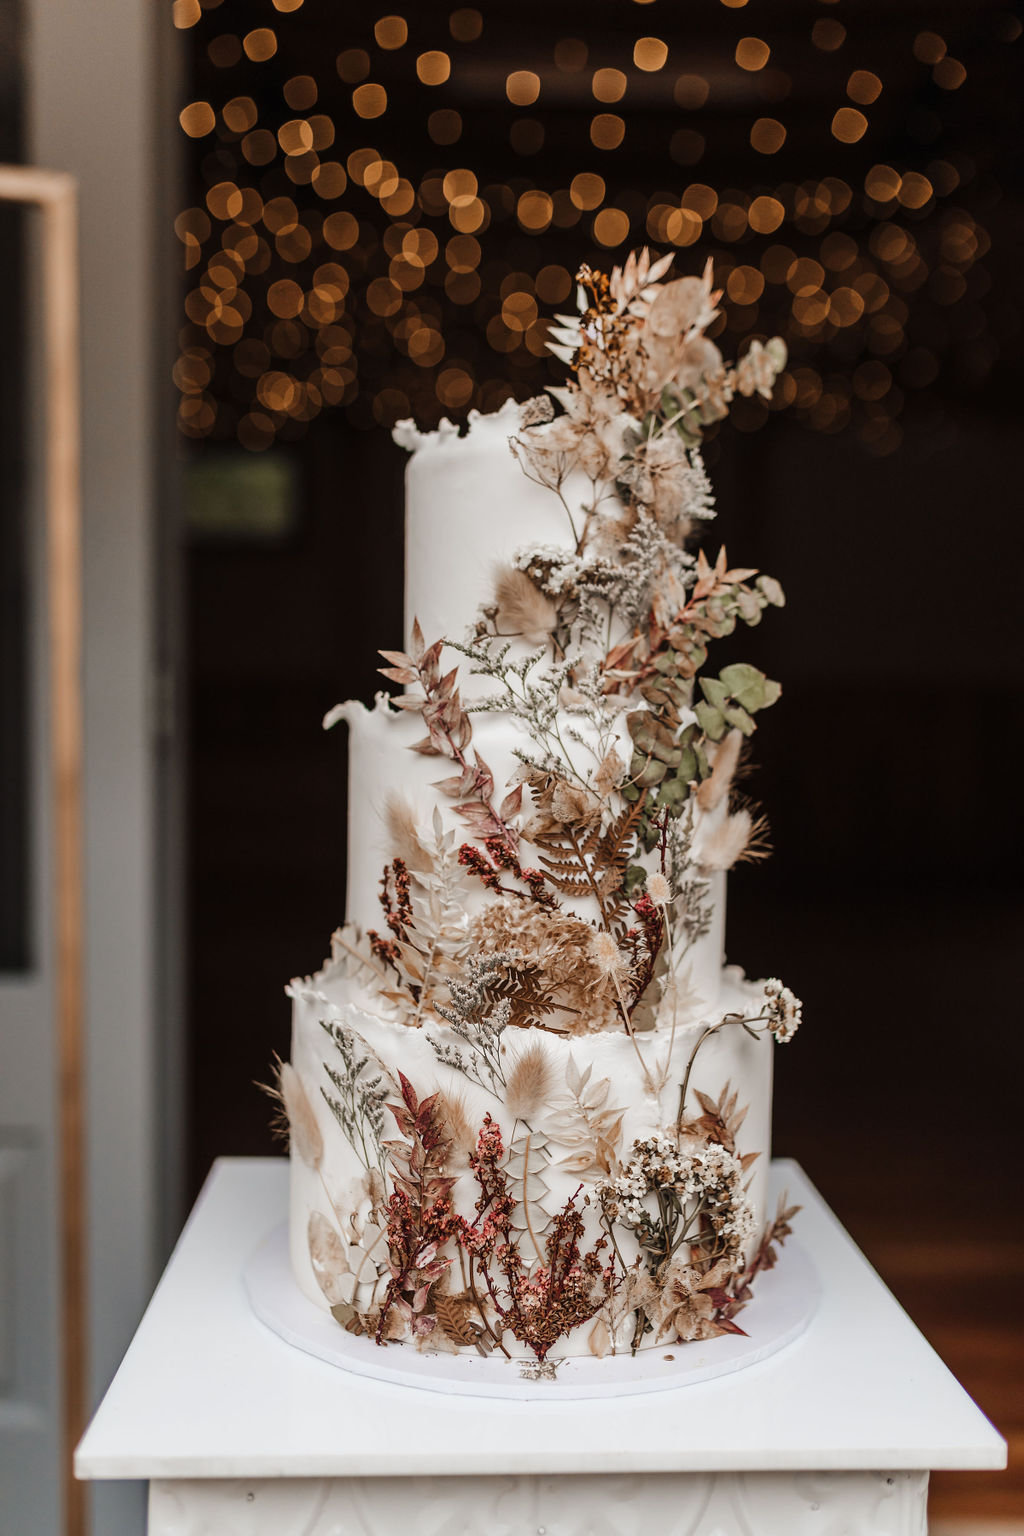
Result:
[[393, 802]]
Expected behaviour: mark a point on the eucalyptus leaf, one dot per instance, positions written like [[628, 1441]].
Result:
[[687, 769], [748, 686], [671, 401], [652, 773], [651, 737], [672, 796], [750, 607], [737, 716], [715, 691], [771, 590], [712, 721]]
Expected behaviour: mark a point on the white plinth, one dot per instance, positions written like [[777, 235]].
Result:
[[216, 1410]]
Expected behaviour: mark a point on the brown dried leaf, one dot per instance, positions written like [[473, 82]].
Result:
[[453, 1316], [398, 675]]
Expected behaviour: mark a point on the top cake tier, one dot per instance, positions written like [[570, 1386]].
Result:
[[469, 506]]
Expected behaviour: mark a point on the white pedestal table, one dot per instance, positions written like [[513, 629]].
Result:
[[240, 1434]]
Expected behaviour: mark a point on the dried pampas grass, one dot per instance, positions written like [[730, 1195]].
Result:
[[714, 789], [522, 608], [295, 1118], [403, 839], [529, 1083], [460, 1129], [740, 838]]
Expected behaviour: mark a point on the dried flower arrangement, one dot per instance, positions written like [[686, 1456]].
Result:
[[565, 902]]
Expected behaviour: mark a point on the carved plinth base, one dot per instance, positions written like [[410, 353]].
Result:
[[685, 1504]]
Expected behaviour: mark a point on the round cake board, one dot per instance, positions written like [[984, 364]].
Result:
[[784, 1302]]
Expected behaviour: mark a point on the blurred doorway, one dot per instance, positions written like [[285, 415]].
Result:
[[88, 91]]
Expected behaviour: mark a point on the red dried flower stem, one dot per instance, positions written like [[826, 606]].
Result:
[[442, 713], [504, 857], [653, 924]]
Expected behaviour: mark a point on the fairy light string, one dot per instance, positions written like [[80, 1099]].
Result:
[[387, 228]]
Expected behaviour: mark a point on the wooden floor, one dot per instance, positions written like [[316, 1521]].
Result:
[[969, 1304], [902, 1101]]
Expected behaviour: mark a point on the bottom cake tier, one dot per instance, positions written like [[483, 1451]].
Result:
[[477, 1186]]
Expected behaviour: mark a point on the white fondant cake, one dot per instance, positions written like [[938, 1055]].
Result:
[[530, 1112]]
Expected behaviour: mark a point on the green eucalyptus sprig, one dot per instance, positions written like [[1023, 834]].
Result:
[[669, 747]]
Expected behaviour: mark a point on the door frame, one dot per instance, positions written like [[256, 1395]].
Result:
[[101, 88]]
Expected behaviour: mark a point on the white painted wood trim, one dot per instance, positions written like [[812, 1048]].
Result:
[[751, 1504]]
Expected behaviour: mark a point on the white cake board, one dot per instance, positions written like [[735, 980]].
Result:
[[784, 1302]]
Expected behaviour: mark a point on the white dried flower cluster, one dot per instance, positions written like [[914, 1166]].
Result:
[[605, 954], [643, 556], [658, 889], [785, 1010], [710, 1177], [587, 581]]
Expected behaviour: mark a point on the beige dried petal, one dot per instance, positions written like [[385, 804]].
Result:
[[570, 804], [436, 1342], [699, 362], [327, 1256], [304, 1131], [599, 1340], [668, 597], [677, 308], [346, 1285], [609, 773], [680, 310], [355, 1256], [396, 1328]]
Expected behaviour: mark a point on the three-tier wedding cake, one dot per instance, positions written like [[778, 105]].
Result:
[[529, 1109]]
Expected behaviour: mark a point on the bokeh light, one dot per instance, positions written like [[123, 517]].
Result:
[[417, 273]]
